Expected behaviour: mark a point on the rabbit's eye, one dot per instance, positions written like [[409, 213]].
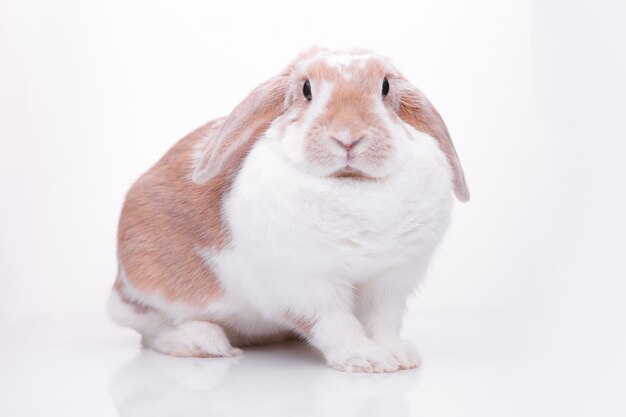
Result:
[[306, 90], [385, 87]]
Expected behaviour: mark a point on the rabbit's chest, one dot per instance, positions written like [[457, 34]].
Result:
[[287, 222]]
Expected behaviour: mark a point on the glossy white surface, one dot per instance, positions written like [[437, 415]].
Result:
[[523, 310], [474, 365]]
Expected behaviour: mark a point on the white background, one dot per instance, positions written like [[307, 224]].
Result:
[[523, 310]]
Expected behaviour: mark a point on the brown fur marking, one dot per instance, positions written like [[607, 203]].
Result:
[[166, 217]]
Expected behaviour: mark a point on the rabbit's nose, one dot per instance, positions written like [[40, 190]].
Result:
[[348, 144]]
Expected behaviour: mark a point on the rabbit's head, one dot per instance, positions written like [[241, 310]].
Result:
[[336, 114]]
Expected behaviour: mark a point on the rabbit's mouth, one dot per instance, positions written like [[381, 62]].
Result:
[[351, 172]]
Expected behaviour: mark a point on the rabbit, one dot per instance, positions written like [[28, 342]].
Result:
[[311, 211]]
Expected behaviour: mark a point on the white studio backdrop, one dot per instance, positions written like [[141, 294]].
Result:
[[93, 93]]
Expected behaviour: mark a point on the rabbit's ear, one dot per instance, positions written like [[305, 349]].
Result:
[[245, 123], [416, 110]]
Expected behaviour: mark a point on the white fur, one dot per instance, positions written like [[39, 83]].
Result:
[[315, 247], [192, 338], [124, 314], [341, 60], [340, 230]]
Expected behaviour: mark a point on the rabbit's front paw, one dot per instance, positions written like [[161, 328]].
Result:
[[365, 359], [404, 352]]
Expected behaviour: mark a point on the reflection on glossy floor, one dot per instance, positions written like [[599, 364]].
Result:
[[474, 365], [277, 380]]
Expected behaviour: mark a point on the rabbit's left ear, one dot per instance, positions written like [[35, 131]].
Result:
[[416, 110], [245, 123]]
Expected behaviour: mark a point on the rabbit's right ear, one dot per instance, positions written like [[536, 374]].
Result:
[[246, 122]]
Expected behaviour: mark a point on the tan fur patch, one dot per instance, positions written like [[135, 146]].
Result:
[[166, 216]]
